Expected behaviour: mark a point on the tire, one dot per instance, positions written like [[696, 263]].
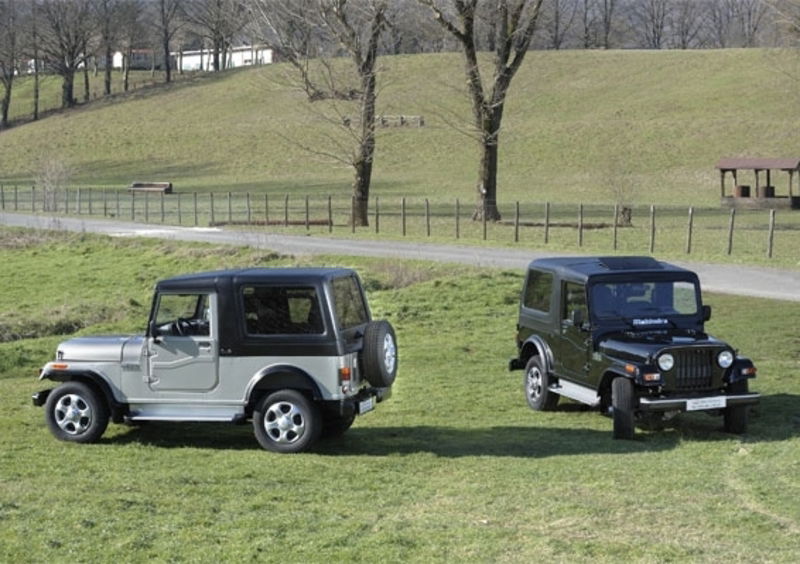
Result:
[[735, 416], [286, 421], [535, 383], [379, 354], [76, 413], [336, 425], [622, 403]]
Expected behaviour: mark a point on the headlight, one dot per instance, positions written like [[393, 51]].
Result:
[[666, 361], [725, 359]]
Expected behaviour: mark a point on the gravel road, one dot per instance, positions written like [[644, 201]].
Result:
[[729, 279]]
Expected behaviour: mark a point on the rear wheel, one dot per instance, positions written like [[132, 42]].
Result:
[[622, 401], [735, 416], [286, 421], [76, 413], [536, 385]]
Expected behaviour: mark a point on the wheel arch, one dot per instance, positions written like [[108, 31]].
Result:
[[97, 383], [536, 346], [281, 377]]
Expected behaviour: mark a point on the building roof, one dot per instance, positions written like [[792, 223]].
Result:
[[754, 163]]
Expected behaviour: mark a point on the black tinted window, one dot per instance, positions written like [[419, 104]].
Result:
[[349, 302], [538, 290], [281, 310]]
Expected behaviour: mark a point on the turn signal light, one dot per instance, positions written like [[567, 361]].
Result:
[[60, 366], [344, 374], [654, 377], [631, 369], [749, 371]]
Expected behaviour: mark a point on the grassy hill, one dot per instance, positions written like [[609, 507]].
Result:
[[580, 126]]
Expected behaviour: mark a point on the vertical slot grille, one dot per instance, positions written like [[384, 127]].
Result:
[[694, 369]]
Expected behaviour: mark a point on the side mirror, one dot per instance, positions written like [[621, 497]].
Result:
[[706, 313], [577, 317]]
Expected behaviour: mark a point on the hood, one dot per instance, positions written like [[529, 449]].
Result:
[[101, 348], [643, 346]]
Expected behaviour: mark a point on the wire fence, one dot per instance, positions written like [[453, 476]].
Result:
[[593, 227]]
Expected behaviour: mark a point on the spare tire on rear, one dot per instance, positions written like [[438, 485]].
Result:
[[379, 354]]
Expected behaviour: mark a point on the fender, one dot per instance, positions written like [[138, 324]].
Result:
[[541, 348], [742, 369], [282, 376], [93, 379]]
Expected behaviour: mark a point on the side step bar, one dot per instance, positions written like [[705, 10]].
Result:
[[576, 392]]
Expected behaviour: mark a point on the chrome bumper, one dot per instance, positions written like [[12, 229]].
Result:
[[679, 403]]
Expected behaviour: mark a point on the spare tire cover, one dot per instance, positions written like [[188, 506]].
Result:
[[379, 354]]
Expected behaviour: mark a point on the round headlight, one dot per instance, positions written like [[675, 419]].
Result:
[[725, 359], [666, 361]]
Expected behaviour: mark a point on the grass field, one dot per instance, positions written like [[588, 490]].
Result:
[[590, 126], [454, 467]]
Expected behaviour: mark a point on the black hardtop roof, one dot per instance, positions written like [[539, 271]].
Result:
[[253, 275], [583, 268]]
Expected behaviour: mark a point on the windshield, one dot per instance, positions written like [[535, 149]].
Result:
[[637, 300]]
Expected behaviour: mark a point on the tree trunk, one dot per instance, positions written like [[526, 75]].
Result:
[[86, 92], [486, 205], [6, 103], [107, 76], [68, 90], [167, 66], [126, 68], [366, 152]]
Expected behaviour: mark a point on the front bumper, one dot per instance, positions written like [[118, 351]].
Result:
[[39, 398], [680, 403]]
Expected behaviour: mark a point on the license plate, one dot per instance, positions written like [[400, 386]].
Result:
[[716, 402], [368, 405]]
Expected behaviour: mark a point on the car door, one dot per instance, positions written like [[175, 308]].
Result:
[[182, 348], [574, 342]]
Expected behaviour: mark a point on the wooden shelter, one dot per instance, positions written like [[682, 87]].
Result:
[[758, 196]]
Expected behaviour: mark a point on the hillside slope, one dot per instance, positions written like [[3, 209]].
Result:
[[640, 126]]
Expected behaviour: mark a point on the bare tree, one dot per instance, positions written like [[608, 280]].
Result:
[[218, 21], [132, 29], [515, 24], [607, 9], [107, 14], [9, 54], [168, 21], [649, 20], [67, 33], [750, 15], [559, 21], [720, 18], [589, 23], [686, 23]]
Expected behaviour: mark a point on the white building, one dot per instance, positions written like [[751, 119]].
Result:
[[203, 59]]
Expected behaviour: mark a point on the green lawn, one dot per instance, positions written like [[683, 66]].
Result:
[[454, 467], [580, 126]]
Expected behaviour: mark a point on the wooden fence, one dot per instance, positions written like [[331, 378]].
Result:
[[596, 227]]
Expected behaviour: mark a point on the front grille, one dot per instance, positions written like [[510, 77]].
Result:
[[694, 369]]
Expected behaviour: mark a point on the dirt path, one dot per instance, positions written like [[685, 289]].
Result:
[[729, 279]]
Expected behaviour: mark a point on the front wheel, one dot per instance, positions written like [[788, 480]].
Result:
[[76, 413], [622, 403], [536, 384], [735, 416], [286, 421]]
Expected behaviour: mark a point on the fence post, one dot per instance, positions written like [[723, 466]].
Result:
[[266, 210], [307, 218], [2, 198], [116, 196], [211, 194], [771, 237], [66, 201], [546, 222], [403, 214], [249, 211], [33, 199], [146, 207], [516, 222], [133, 206], [483, 220], [286, 211], [230, 209], [689, 228], [652, 228], [161, 203], [194, 205], [458, 219], [730, 230], [580, 225], [352, 214], [330, 214], [427, 217], [105, 202], [616, 223], [179, 209], [377, 214]]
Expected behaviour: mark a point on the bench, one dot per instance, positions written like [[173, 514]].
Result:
[[164, 187]]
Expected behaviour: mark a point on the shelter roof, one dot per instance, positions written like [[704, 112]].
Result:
[[754, 163]]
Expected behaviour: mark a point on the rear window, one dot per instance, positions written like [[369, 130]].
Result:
[[282, 310], [538, 291], [349, 305]]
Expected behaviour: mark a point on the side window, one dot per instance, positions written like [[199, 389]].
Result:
[[538, 291], [183, 315], [351, 310], [282, 310], [574, 300]]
